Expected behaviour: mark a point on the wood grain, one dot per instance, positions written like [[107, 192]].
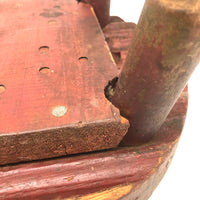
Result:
[[114, 194], [53, 102], [122, 173], [119, 35], [77, 176]]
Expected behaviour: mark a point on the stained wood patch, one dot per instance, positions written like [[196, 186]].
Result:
[[54, 65]]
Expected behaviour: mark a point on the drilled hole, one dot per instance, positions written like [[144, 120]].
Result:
[[83, 59], [2, 89], [80, 123], [52, 22], [44, 70], [44, 49]]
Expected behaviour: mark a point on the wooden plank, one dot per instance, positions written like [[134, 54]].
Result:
[[138, 170], [101, 8], [163, 54], [82, 175], [119, 35], [54, 65]]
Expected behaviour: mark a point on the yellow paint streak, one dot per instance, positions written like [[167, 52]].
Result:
[[160, 160], [123, 120], [114, 194]]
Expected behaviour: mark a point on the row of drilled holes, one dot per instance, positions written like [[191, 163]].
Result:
[[43, 70], [58, 111], [45, 49]]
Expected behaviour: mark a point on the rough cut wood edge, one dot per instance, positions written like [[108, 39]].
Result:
[[142, 167]]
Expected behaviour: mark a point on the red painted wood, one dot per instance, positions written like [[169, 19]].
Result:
[[142, 166], [119, 36], [51, 55], [161, 59], [101, 9]]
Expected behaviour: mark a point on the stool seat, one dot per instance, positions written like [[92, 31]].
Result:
[[54, 66]]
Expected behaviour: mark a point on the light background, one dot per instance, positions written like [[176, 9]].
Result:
[[182, 180]]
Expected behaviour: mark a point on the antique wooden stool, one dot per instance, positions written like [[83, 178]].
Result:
[[92, 107]]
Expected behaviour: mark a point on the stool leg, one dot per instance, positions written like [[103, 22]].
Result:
[[162, 57]]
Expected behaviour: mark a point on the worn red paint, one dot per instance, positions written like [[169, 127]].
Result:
[[53, 103], [119, 35], [142, 166]]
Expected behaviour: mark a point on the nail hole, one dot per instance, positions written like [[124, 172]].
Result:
[[52, 22], [44, 49], [44, 70], [2, 88], [59, 111], [83, 59]]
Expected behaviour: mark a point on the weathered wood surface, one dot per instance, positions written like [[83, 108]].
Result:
[[164, 53], [124, 173], [101, 9], [119, 35], [52, 81]]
